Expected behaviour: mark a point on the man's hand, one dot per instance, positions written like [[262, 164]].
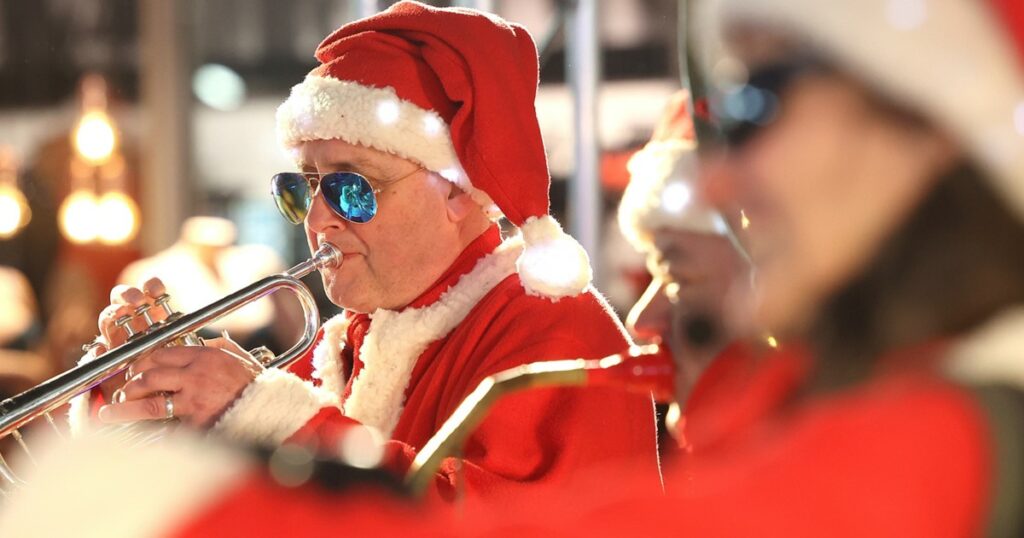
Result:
[[124, 300], [202, 381]]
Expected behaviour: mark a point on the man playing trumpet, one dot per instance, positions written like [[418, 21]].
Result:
[[415, 133]]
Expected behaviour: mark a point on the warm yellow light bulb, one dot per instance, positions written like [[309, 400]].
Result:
[[744, 221], [773, 342], [78, 215], [14, 211], [94, 137], [117, 218]]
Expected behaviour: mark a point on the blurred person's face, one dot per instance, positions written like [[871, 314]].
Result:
[[693, 276], [823, 185], [396, 256]]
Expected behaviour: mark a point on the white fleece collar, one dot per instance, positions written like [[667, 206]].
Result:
[[993, 353], [396, 339], [327, 355]]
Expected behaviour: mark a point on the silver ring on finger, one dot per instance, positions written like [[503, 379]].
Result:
[[168, 405]]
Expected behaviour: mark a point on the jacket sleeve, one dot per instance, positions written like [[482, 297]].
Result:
[[546, 437], [273, 408], [276, 404]]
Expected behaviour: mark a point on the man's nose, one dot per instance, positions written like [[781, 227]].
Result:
[[321, 217], [650, 317]]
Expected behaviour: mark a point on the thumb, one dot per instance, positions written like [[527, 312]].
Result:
[[225, 343]]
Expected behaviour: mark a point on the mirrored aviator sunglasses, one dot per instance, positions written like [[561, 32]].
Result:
[[348, 194]]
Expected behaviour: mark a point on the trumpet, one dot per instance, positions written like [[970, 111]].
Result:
[[43, 399], [647, 369]]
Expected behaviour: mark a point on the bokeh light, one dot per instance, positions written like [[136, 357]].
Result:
[[117, 218], [14, 211], [219, 87], [94, 137], [78, 216]]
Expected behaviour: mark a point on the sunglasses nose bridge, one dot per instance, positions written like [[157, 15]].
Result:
[[348, 196]]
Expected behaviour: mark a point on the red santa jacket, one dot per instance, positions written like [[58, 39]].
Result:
[[907, 453], [403, 373]]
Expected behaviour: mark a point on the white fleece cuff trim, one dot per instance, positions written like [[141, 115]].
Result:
[[272, 408], [325, 108]]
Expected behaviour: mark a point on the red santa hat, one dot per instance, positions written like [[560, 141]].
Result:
[[958, 62], [662, 191], [452, 90]]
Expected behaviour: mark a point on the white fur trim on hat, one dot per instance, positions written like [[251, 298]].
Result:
[[552, 264], [396, 339], [662, 194], [272, 408], [324, 108], [948, 59]]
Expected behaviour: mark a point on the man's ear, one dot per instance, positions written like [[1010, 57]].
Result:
[[459, 204]]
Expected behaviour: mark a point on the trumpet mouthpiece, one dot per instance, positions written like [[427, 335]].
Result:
[[327, 257]]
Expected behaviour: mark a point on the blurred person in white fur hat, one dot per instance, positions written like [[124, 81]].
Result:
[[694, 263], [413, 135]]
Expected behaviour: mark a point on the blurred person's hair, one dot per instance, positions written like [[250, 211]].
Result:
[[955, 262]]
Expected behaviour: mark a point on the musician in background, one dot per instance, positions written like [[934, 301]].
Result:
[[698, 301], [413, 136], [694, 265]]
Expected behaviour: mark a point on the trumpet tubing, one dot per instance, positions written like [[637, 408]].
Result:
[[40, 400]]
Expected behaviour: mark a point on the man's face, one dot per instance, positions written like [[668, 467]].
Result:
[[693, 276], [396, 256]]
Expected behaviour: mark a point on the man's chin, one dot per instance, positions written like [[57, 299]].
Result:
[[343, 297]]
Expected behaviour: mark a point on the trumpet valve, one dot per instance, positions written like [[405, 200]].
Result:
[[125, 322], [163, 301], [144, 312]]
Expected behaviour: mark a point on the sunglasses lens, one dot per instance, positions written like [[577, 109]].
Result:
[[350, 195], [292, 195]]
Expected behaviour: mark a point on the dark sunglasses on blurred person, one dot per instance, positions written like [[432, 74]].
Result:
[[350, 195], [740, 112]]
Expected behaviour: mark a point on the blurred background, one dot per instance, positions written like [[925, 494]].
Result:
[[137, 139]]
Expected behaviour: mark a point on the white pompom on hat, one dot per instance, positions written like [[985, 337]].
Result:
[[453, 90]]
